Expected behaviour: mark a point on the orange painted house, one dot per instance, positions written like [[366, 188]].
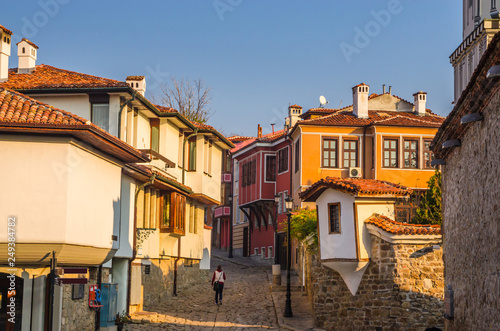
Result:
[[380, 136]]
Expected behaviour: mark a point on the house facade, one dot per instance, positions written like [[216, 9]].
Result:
[[380, 136], [263, 167], [467, 147]]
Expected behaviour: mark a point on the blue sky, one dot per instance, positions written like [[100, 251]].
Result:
[[258, 56]]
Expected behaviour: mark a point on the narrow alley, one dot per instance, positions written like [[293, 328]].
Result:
[[247, 305]]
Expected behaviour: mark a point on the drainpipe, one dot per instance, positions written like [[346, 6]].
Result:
[[121, 110], [134, 250], [364, 151], [175, 265], [184, 153]]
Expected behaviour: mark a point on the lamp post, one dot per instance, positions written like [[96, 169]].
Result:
[[276, 248], [230, 198], [288, 303]]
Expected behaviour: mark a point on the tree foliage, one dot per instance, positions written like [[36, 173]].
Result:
[[191, 98], [429, 209], [304, 227]]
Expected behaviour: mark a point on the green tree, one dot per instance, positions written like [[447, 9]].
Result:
[[429, 209], [304, 225]]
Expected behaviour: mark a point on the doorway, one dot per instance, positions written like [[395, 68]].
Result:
[[245, 241]]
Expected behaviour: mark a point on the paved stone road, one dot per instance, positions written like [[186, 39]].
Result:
[[247, 305]]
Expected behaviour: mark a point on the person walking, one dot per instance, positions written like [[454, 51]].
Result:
[[219, 276]]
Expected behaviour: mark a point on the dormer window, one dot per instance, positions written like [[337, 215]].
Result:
[[24, 50]]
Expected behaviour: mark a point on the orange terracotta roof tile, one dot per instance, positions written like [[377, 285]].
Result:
[[354, 186], [48, 77], [394, 227], [5, 30], [295, 106], [272, 136], [135, 77], [164, 109], [376, 117], [29, 42], [236, 139], [18, 108]]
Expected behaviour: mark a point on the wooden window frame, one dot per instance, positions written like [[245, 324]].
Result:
[[177, 214], [330, 220], [270, 172], [403, 149], [431, 154], [350, 139], [336, 139], [384, 139], [283, 160]]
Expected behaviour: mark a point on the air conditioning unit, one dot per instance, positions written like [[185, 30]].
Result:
[[355, 172]]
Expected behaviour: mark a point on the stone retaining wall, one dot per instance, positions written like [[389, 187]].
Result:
[[402, 289], [158, 285]]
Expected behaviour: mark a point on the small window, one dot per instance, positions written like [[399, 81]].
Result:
[[77, 291], [192, 154], [270, 251], [410, 153], [147, 269], [173, 212], [350, 153], [428, 154], [270, 168], [256, 251], [24, 50], [334, 217], [390, 150], [263, 252], [283, 160], [100, 115], [329, 156]]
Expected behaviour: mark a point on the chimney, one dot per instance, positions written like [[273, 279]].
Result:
[[27, 53], [259, 131], [5, 37], [360, 100], [294, 112], [138, 83], [420, 98], [383, 88]]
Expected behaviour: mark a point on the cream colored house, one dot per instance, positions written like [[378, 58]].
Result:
[[63, 194], [166, 197]]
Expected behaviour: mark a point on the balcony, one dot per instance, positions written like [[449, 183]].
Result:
[[222, 211]]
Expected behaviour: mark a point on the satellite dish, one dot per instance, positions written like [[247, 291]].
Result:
[[322, 101]]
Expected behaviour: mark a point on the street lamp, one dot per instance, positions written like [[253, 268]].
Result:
[[288, 304], [230, 198], [277, 198]]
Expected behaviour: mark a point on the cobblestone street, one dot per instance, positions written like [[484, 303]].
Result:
[[247, 304]]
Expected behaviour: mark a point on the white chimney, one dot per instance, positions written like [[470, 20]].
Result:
[[5, 36], [138, 83], [420, 98], [294, 112], [27, 53], [360, 100]]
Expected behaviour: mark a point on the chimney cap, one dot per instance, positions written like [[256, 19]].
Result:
[[135, 77], [295, 106], [29, 42], [419, 92], [4, 29], [362, 84]]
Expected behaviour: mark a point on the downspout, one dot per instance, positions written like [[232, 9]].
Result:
[[364, 151], [121, 110], [183, 181], [134, 250]]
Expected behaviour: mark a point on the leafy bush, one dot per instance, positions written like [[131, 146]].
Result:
[[304, 227], [429, 209]]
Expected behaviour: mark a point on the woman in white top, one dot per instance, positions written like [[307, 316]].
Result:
[[219, 276]]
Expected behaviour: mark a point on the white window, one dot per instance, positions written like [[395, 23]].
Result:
[[100, 115], [263, 252], [256, 251], [270, 251]]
